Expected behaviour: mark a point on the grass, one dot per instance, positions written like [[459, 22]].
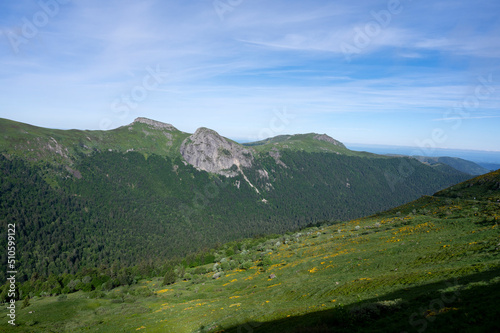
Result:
[[431, 265], [306, 143], [64, 146]]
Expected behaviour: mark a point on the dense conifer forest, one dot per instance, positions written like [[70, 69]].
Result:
[[124, 215]]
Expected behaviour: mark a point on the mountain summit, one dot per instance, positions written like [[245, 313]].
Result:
[[154, 124], [326, 138], [208, 151]]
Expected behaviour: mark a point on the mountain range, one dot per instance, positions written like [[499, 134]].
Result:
[[147, 192], [460, 164]]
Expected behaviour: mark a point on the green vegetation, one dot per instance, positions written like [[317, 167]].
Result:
[[430, 265], [63, 147], [136, 214], [465, 166], [303, 142], [96, 208], [112, 225]]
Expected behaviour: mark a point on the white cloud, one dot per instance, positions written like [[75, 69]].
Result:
[[263, 55], [464, 118]]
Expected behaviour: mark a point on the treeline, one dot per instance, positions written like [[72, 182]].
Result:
[[215, 261], [104, 277]]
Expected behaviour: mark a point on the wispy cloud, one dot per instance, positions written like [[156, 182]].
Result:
[[464, 118], [230, 73]]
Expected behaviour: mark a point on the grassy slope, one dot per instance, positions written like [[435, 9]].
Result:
[[431, 265], [53, 145], [306, 143], [63, 146]]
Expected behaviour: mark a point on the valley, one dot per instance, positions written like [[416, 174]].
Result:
[[143, 194], [148, 227], [429, 265], [235, 166]]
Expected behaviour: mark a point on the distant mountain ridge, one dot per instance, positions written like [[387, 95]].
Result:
[[150, 136], [490, 166], [455, 162], [474, 162]]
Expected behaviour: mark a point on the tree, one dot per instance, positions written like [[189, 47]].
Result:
[[170, 277], [26, 302]]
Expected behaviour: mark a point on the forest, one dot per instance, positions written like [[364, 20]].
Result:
[[124, 216]]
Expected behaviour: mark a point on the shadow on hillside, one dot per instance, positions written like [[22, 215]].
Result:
[[444, 306]]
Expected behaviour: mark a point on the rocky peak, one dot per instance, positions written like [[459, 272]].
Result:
[[326, 138], [208, 151], [155, 124]]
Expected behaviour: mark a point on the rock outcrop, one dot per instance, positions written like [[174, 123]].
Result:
[[208, 151], [274, 153]]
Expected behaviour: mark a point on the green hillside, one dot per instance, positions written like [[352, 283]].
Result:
[[39, 144], [122, 205], [311, 143], [484, 187], [468, 167], [430, 265], [128, 209]]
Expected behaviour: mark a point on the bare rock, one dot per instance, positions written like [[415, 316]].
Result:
[[274, 153], [208, 151], [263, 174]]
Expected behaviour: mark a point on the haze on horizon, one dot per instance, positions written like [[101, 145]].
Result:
[[395, 72]]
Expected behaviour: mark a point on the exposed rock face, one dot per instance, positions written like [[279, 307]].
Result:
[[263, 174], [326, 138], [155, 124], [57, 148], [208, 151], [274, 153]]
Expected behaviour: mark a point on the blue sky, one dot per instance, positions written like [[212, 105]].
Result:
[[412, 73]]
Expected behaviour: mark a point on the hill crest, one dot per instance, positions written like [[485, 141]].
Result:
[[155, 124], [62, 146]]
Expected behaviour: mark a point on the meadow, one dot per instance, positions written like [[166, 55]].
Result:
[[428, 266]]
